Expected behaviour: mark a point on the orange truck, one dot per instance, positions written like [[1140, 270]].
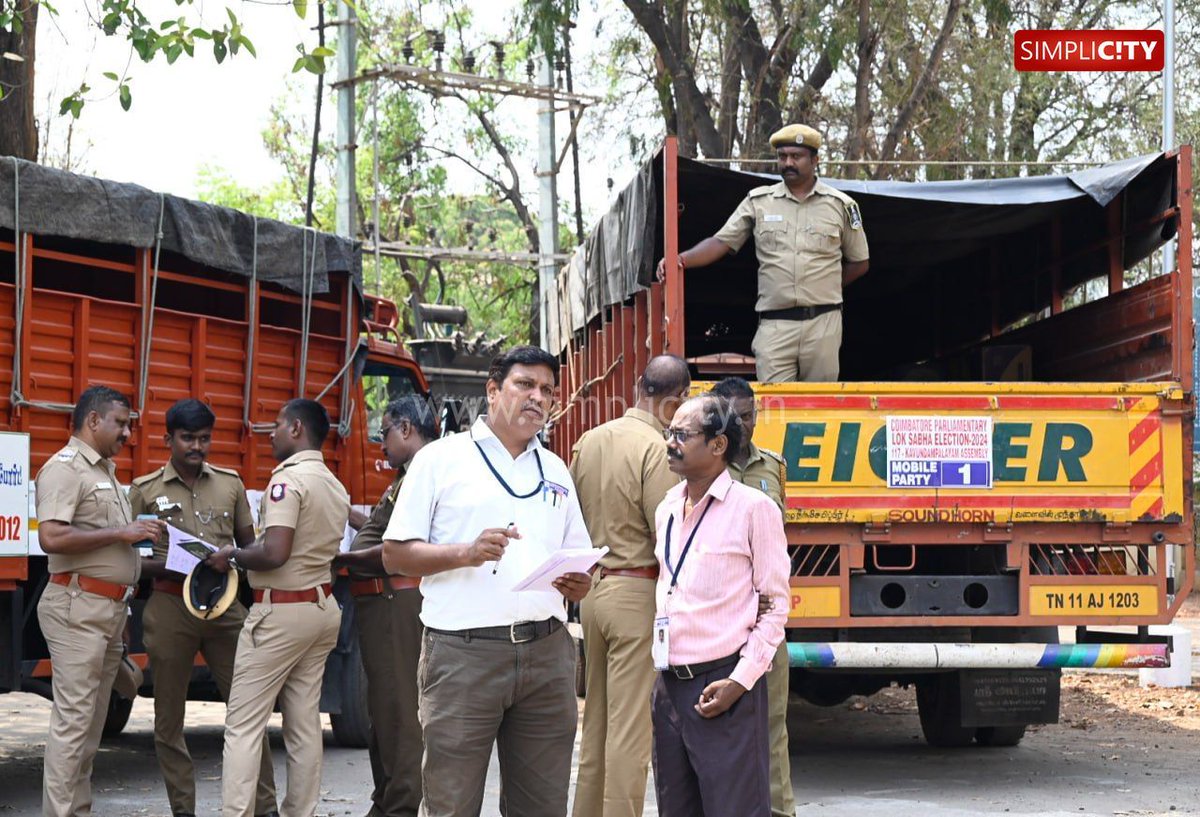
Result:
[[164, 298], [1001, 485]]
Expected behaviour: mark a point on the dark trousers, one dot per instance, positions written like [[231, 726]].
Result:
[[715, 767], [389, 632], [518, 697]]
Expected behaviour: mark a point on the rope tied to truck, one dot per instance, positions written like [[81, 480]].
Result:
[[252, 329], [21, 285], [148, 312], [308, 273]]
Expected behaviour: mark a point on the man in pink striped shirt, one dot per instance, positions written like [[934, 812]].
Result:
[[720, 544]]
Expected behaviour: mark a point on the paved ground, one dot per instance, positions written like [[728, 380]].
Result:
[[1120, 750]]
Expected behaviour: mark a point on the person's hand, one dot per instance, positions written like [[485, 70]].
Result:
[[765, 605], [573, 586], [660, 272], [143, 529], [489, 545], [718, 696], [219, 561]]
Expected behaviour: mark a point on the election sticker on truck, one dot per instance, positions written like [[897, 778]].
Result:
[[939, 452], [14, 494]]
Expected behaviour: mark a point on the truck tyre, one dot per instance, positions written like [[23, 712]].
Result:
[[999, 735], [352, 726], [119, 710], [940, 711]]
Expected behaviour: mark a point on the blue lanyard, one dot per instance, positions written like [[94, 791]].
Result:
[[686, 547], [500, 479]]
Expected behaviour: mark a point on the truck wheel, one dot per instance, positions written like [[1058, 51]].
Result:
[[999, 735], [119, 710], [352, 726], [940, 711]]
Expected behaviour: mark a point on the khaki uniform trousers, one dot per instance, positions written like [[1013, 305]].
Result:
[[389, 633], [783, 801], [518, 697], [798, 351], [173, 636], [281, 654], [618, 624], [83, 632]]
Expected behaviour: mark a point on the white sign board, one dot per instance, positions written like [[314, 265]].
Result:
[[14, 494], [949, 451]]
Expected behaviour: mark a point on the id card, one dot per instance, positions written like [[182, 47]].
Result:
[[661, 646]]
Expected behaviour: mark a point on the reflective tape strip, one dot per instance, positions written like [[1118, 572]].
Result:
[[816, 655]]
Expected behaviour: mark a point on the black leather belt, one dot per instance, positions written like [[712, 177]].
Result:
[[520, 633], [686, 672], [797, 313]]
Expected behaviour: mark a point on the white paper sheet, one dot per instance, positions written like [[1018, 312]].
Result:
[[179, 559], [558, 563]]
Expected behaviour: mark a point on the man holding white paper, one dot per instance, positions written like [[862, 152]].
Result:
[[477, 513], [208, 503]]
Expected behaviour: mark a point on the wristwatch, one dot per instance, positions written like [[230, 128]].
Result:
[[233, 562]]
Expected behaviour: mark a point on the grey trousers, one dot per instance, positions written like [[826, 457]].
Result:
[[520, 697], [715, 767]]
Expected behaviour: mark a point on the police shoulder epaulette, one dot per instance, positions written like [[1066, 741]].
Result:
[[66, 455], [227, 471], [144, 478], [766, 452], [760, 191]]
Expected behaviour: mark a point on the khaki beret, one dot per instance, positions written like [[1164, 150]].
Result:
[[797, 135]]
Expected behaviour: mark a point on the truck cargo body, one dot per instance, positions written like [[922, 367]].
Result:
[[160, 326], [995, 314]]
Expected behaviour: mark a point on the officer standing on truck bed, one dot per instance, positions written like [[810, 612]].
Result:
[[88, 532], [209, 503], [810, 244]]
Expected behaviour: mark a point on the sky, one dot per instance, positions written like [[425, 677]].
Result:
[[196, 113]]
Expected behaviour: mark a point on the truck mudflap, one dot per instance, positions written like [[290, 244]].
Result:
[[922, 656]]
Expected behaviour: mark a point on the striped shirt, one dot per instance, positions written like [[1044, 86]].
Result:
[[739, 551]]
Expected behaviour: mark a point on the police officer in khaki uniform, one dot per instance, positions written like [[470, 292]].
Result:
[[810, 244], [209, 503], [387, 614], [293, 625], [621, 472], [87, 531], [764, 470]]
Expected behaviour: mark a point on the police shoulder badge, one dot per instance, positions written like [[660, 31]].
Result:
[[855, 215], [278, 491]]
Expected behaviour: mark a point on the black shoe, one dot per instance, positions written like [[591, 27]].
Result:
[[268, 814]]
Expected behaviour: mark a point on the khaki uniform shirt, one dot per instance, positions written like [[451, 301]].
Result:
[[800, 244], [763, 471], [621, 473], [304, 495], [211, 510], [371, 534], [79, 487]]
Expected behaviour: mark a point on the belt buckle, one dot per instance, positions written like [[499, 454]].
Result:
[[679, 672], [512, 632]]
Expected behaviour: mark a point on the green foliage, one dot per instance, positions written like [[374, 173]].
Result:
[[168, 39]]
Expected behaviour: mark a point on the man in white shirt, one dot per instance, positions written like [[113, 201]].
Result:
[[475, 514]]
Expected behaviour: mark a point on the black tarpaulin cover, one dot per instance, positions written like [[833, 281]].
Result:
[[53, 202]]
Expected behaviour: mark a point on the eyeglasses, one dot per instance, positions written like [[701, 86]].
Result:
[[679, 435]]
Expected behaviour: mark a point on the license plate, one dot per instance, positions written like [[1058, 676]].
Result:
[[1093, 600]]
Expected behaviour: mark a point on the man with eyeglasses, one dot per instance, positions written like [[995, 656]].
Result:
[[476, 513], [764, 470], [620, 469], [720, 545], [387, 616], [810, 245]]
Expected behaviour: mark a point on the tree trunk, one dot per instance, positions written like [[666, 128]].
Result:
[[867, 39], [18, 133]]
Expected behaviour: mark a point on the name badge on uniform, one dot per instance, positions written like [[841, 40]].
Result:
[[661, 647], [102, 486], [165, 504], [769, 217]]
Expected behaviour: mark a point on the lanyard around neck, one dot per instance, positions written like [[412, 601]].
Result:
[[686, 547], [500, 479]]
